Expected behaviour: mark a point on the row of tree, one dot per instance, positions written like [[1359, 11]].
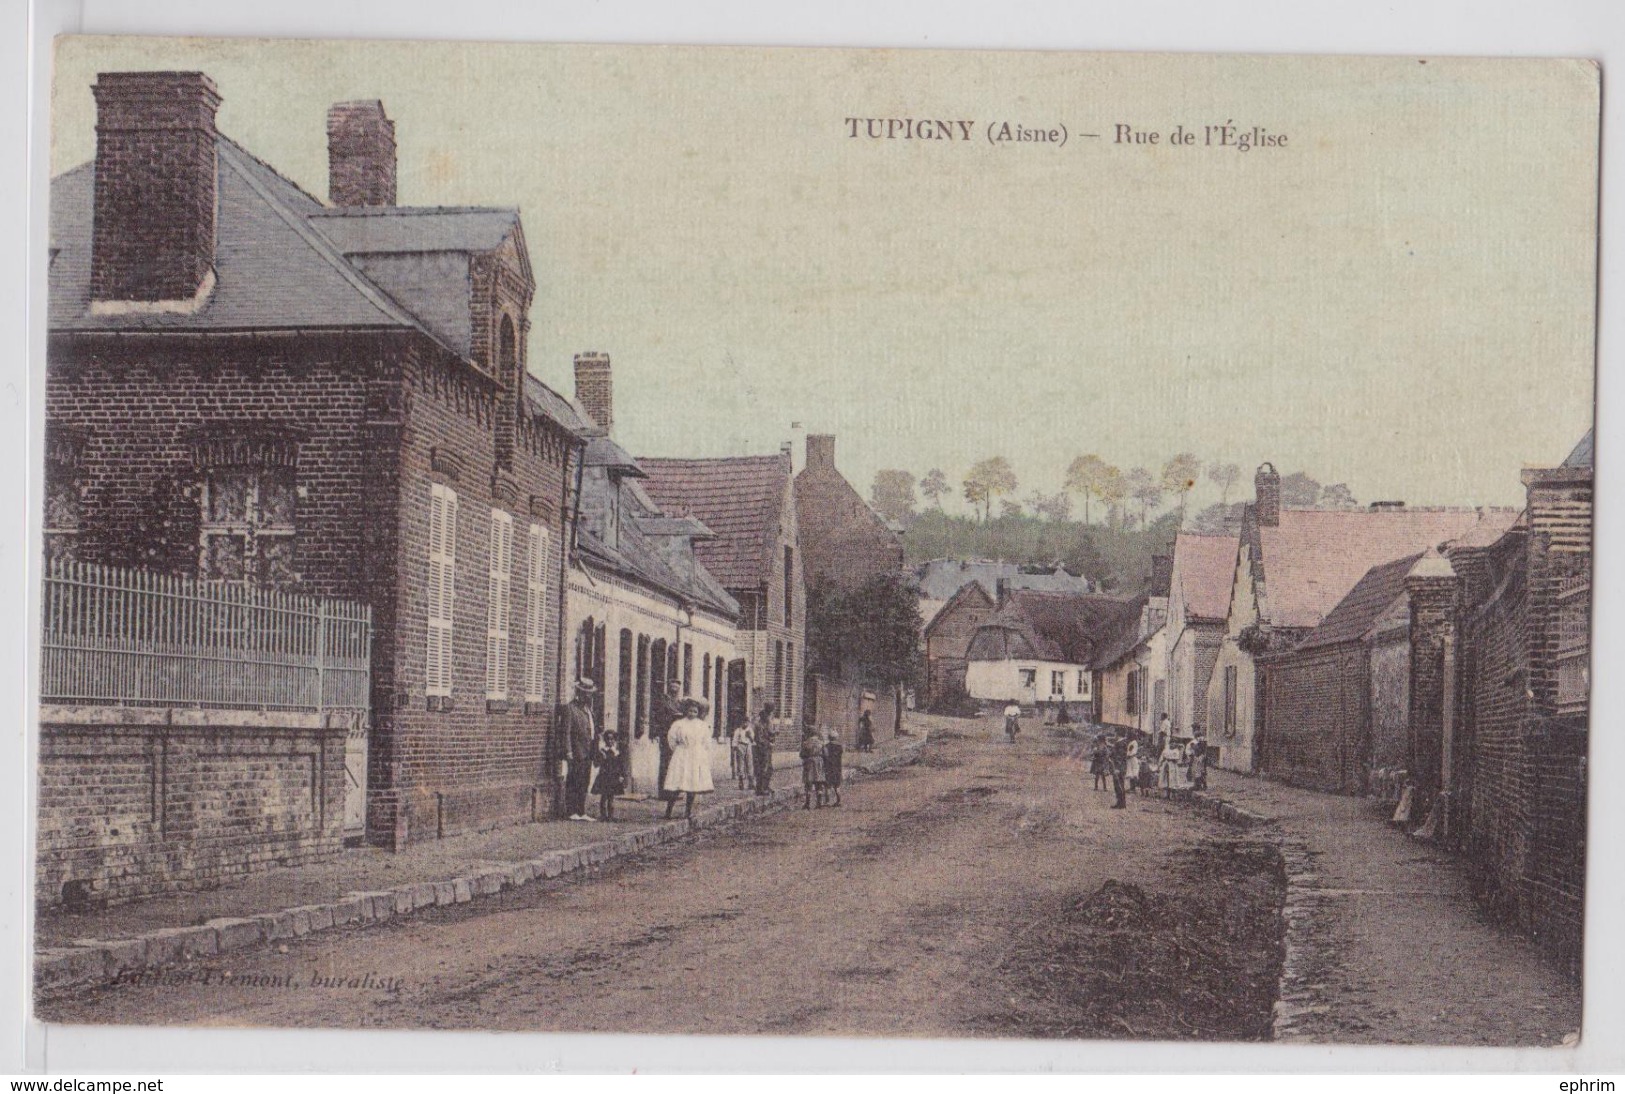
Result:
[[1125, 496]]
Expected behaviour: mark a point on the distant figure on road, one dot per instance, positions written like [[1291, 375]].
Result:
[[610, 781], [742, 754], [576, 736], [690, 770], [833, 759], [764, 750], [1146, 775], [812, 767], [1012, 721], [866, 732], [1173, 768], [1119, 763], [1099, 761]]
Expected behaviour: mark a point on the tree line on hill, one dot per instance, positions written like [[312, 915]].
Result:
[[1139, 511]]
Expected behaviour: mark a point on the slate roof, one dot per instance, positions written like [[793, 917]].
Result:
[[1366, 603], [737, 497], [941, 578], [636, 556], [1315, 556], [285, 262], [1122, 639], [1065, 627], [1207, 569], [1583, 452]]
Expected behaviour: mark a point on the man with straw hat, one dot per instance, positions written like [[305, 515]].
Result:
[[576, 735]]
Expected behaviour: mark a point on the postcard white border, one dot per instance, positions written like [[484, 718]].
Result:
[[1585, 28]]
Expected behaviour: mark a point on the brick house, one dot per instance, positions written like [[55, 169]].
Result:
[[842, 539], [642, 610], [1500, 706], [948, 635], [251, 386], [748, 503], [1336, 705], [1292, 567]]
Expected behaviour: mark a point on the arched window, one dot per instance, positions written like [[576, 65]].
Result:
[[507, 351]]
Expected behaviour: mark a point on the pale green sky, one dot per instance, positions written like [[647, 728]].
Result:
[[1402, 298]]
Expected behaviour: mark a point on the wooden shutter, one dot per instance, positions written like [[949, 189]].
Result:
[[536, 555], [499, 605], [442, 588]]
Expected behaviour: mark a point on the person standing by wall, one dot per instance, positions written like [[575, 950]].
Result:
[[609, 753], [1119, 764], [742, 754], [866, 732], [667, 710], [764, 750], [576, 731]]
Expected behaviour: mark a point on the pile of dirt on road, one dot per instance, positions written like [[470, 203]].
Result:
[[1197, 960]]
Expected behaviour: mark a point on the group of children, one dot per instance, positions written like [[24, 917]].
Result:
[[821, 759], [1169, 763]]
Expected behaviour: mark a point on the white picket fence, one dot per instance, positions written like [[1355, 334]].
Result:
[[139, 638]]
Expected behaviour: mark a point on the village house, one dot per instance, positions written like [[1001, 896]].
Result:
[[845, 544], [1336, 705], [251, 389], [1038, 648], [956, 597], [1292, 567], [1130, 666], [642, 610], [754, 552], [1198, 599]]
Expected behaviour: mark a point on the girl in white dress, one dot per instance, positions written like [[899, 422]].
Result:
[[690, 770]]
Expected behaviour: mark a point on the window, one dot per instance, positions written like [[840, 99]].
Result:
[[1083, 682], [1029, 678], [705, 677], [1131, 700], [1573, 644], [623, 690], [537, 544], [246, 527], [789, 585], [688, 668], [778, 677], [442, 587], [1230, 700], [789, 677], [499, 605], [1057, 682], [61, 514]]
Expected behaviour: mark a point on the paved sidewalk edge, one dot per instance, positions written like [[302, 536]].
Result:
[[86, 962], [1295, 993]]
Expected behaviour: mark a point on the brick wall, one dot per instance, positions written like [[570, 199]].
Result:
[[470, 764], [1317, 717], [134, 802], [1521, 757], [842, 538], [948, 638]]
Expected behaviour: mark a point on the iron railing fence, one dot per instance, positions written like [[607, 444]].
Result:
[[138, 638]]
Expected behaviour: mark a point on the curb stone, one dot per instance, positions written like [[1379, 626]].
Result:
[[1295, 996], [85, 963]]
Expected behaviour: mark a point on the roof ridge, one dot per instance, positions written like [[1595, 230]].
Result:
[[410, 210], [313, 239]]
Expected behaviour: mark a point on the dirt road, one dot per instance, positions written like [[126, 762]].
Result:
[[987, 890]]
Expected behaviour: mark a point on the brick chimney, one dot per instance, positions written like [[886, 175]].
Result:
[[1267, 491], [821, 451], [360, 154], [152, 241], [595, 388], [1162, 574]]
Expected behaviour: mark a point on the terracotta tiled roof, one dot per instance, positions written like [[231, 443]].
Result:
[[738, 497], [1315, 556], [1065, 627], [1357, 612], [1207, 568]]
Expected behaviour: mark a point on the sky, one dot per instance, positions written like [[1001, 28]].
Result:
[[1401, 298]]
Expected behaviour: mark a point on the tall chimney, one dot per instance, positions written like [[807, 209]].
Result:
[[1162, 574], [360, 154], [595, 388], [1267, 489], [153, 234], [821, 451]]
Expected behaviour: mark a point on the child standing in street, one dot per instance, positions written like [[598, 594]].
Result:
[[742, 753], [611, 779], [812, 767], [833, 751]]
